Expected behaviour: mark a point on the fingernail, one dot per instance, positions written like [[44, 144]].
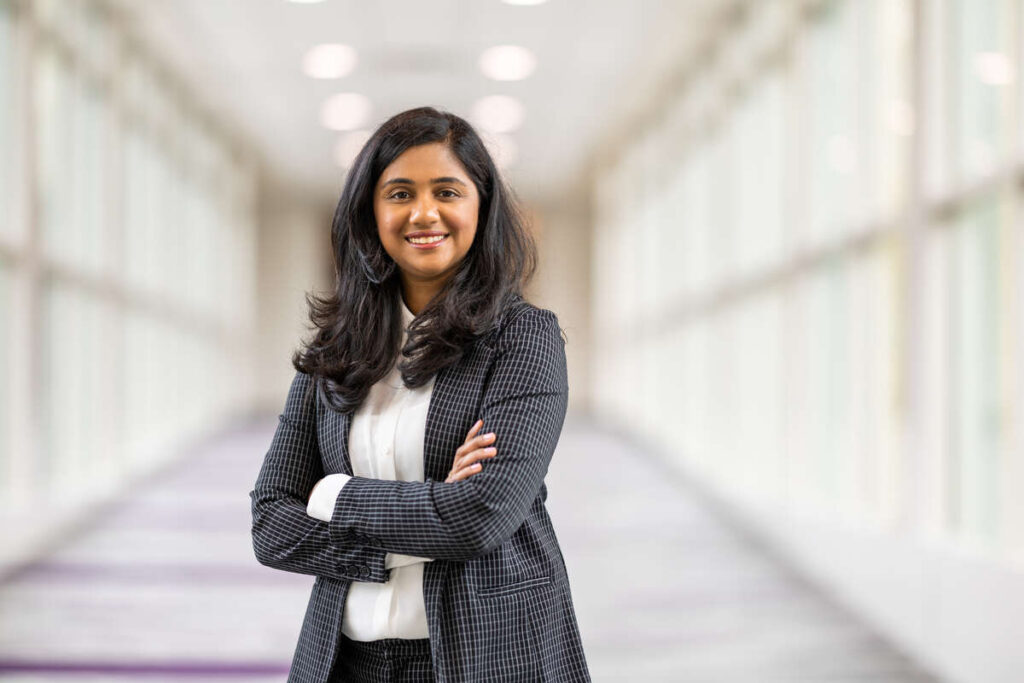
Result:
[[489, 435], [476, 466]]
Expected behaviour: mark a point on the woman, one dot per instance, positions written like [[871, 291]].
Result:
[[407, 469]]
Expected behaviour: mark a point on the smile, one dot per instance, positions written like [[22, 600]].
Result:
[[426, 242]]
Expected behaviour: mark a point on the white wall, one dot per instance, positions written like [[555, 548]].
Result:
[[562, 284], [293, 258]]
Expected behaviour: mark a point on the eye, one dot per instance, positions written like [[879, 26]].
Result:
[[451, 193], [394, 195]]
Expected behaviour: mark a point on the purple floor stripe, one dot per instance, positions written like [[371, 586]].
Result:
[[179, 668]]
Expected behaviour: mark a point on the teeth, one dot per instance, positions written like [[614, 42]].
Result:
[[425, 240]]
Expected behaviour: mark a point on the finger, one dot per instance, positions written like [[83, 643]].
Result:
[[478, 442], [474, 429], [463, 473], [478, 454], [462, 450], [456, 475], [472, 457], [485, 439], [474, 443], [469, 438]]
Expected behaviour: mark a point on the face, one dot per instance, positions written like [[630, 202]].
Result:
[[426, 208]]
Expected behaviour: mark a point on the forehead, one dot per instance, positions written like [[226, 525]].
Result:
[[423, 162]]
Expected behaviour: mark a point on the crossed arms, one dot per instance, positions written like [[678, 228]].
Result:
[[524, 404]]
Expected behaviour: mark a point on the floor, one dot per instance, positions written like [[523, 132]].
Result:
[[164, 586]]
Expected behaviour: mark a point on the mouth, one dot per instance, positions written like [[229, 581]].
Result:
[[426, 241]]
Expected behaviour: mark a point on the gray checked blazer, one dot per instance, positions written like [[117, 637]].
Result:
[[497, 595]]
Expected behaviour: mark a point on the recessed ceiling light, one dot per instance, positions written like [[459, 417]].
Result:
[[349, 146], [345, 111], [524, 2], [498, 113], [507, 62], [329, 61], [305, 2]]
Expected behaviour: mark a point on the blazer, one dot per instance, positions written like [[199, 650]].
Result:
[[497, 595]]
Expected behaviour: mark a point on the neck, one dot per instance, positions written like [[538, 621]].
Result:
[[417, 294]]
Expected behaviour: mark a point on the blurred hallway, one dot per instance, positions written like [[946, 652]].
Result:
[[150, 589], [784, 240]]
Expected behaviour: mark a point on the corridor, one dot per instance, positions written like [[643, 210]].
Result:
[[163, 586]]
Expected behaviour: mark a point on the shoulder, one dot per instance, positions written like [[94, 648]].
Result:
[[529, 354], [523, 321], [300, 404]]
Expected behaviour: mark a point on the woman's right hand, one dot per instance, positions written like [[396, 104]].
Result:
[[474, 448]]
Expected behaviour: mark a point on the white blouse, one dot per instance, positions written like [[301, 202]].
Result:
[[385, 441]]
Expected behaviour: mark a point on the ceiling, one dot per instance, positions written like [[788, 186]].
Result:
[[597, 61]]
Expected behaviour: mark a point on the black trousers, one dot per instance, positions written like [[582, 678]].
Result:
[[389, 660]]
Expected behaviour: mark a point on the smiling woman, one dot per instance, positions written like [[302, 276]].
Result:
[[407, 471], [426, 209]]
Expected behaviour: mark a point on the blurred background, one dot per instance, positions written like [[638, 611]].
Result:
[[782, 236]]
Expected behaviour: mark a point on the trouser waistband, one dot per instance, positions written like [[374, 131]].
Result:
[[391, 647]]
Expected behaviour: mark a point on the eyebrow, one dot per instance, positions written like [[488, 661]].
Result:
[[406, 181]]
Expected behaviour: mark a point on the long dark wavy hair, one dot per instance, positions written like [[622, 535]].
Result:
[[358, 326]]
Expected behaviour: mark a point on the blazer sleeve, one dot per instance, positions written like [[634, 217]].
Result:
[[284, 536], [524, 404]]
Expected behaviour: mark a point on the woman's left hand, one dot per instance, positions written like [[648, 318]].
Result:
[[472, 449]]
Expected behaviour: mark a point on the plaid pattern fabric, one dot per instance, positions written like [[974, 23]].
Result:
[[497, 595]]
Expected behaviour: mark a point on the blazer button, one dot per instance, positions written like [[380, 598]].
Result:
[[375, 542], [364, 572]]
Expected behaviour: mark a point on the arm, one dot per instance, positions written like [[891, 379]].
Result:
[[524, 404], [283, 535], [321, 506]]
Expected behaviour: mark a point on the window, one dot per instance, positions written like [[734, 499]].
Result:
[[6, 313], [834, 82], [8, 108], [983, 72], [110, 187], [975, 317], [890, 115]]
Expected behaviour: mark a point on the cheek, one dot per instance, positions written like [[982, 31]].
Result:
[[388, 227], [466, 222]]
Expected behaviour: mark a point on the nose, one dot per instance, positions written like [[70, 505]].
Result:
[[424, 211]]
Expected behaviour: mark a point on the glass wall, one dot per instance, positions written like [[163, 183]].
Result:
[[5, 384], [839, 322], [8, 105], [127, 291]]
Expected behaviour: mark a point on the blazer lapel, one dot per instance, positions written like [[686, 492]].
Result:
[[434, 436], [454, 401]]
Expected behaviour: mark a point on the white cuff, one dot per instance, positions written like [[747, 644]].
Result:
[[392, 560], [325, 495]]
